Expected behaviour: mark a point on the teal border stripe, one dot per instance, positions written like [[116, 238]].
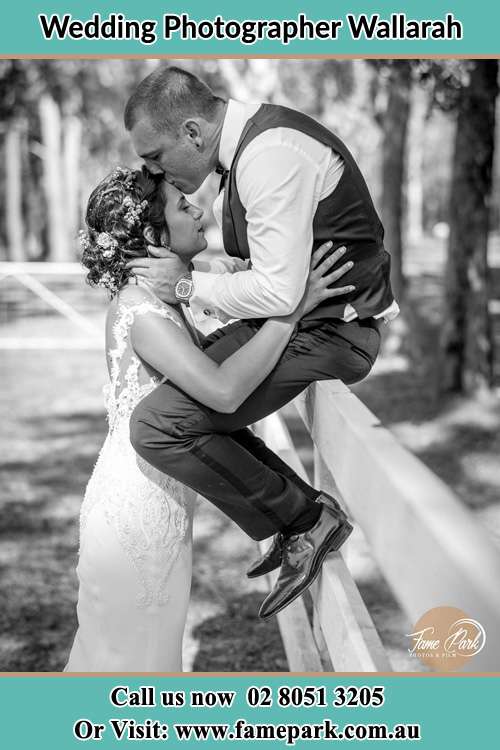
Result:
[[458, 713], [20, 31]]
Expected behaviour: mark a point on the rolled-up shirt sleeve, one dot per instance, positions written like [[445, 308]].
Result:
[[278, 185]]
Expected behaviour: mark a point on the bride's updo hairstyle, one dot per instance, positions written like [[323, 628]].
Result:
[[118, 210]]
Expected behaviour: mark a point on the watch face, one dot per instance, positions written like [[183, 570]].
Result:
[[183, 288]]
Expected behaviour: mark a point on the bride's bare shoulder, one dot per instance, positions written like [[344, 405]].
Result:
[[140, 300], [133, 294], [128, 298]]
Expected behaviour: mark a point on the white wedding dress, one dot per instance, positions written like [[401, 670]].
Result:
[[134, 565]]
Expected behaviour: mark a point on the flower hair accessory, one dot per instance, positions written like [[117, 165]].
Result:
[[108, 282], [134, 210], [84, 238], [120, 172], [104, 242], [107, 243]]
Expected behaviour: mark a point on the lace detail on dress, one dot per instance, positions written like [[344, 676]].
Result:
[[120, 404], [150, 519], [149, 510]]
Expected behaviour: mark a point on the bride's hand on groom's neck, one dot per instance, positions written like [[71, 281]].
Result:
[[160, 272]]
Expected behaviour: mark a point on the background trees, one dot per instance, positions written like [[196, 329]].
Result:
[[60, 121], [467, 338]]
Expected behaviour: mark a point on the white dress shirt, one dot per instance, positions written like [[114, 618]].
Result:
[[281, 177]]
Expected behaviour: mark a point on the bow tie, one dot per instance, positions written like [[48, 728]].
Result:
[[224, 174]]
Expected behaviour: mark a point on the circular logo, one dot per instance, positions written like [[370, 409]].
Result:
[[445, 638]]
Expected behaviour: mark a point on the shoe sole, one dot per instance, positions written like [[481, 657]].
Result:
[[335, 541]]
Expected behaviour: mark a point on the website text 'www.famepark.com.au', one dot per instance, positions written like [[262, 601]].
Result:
[[289, 734]]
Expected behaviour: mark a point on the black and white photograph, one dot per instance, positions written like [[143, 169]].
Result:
[[250, 365]]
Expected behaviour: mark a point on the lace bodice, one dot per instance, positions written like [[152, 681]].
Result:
[[149, 511], [129, 380]]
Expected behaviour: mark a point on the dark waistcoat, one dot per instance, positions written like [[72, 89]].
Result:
[[347, 217]]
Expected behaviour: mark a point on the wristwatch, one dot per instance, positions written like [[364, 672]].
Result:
[[184, 289]]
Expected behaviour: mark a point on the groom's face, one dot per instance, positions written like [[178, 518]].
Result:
[[176, 156]]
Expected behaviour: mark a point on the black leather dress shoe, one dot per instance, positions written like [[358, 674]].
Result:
[[270, 560], [303, 555], [332, 503]]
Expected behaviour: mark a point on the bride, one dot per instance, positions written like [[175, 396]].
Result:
[[134, 566]]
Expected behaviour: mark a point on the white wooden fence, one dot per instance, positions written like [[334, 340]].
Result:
[[430, 549], [85, 334]]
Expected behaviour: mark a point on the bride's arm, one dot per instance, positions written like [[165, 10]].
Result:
[[225, 386]]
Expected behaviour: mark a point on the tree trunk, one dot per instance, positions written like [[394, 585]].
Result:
[[72, 143], [395, 127], [13, 194], [467, 338], [415, 188], [50, 120]]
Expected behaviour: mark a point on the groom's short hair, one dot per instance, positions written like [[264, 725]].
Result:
[[168, 96]]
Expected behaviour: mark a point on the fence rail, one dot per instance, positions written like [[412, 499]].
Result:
[[431, 550], [86, 334]]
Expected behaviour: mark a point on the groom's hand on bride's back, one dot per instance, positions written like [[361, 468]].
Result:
[[160, 271]]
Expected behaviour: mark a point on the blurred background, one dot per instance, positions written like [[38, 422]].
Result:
[[423, 133]]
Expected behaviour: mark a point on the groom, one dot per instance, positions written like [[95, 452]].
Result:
[[288, 185]]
